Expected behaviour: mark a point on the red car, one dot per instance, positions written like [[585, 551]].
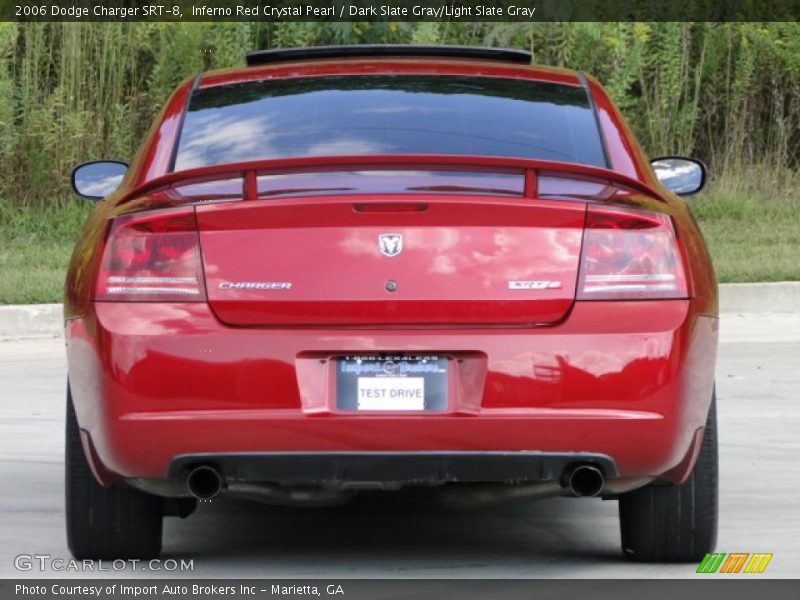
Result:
[[378, 267]]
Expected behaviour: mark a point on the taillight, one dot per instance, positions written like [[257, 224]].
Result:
[[152, 257], [630, 254]]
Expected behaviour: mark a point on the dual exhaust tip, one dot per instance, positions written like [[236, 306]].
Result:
[[205, 482]]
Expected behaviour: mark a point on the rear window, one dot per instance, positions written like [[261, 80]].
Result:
[[383, 114]]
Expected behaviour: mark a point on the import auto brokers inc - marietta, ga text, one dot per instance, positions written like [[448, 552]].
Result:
[[174, 589]]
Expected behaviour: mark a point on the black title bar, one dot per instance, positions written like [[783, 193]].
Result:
[[517, 11]]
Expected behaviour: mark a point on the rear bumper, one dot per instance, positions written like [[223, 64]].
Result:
[[628, 380]]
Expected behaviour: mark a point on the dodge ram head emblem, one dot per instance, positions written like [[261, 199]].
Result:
[[390, 244]]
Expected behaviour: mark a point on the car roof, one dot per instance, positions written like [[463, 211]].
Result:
[[388, 65]]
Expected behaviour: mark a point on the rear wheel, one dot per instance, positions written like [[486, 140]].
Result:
[[675, 523], [106, 522]]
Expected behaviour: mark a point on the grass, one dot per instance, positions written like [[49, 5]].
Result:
[[753, 233], [35, 247], [751, 224]]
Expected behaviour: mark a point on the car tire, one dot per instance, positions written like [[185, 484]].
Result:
[[675, 523], [106, 522]]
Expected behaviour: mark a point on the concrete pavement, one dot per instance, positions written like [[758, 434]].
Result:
[[400, 535]]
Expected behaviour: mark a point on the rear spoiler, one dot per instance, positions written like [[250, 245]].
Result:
[[314, 164]]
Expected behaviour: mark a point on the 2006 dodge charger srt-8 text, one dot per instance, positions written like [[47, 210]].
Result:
[[377, 267]]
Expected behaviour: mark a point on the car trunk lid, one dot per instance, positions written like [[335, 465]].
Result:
[[391, 260]]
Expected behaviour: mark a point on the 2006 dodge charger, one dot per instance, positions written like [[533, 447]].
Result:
[[381, 267]]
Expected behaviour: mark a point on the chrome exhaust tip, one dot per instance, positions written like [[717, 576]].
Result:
[[204, 482], [585, 480]]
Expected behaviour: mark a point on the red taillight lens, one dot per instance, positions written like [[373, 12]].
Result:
[[630, 254], [152, 257]]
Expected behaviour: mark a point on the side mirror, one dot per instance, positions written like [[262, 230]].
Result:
[[97, 179], [680, 175]]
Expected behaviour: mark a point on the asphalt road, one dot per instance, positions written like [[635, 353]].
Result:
[[402, 536]]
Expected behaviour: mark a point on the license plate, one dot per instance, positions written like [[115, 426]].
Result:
[[391, 383]]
